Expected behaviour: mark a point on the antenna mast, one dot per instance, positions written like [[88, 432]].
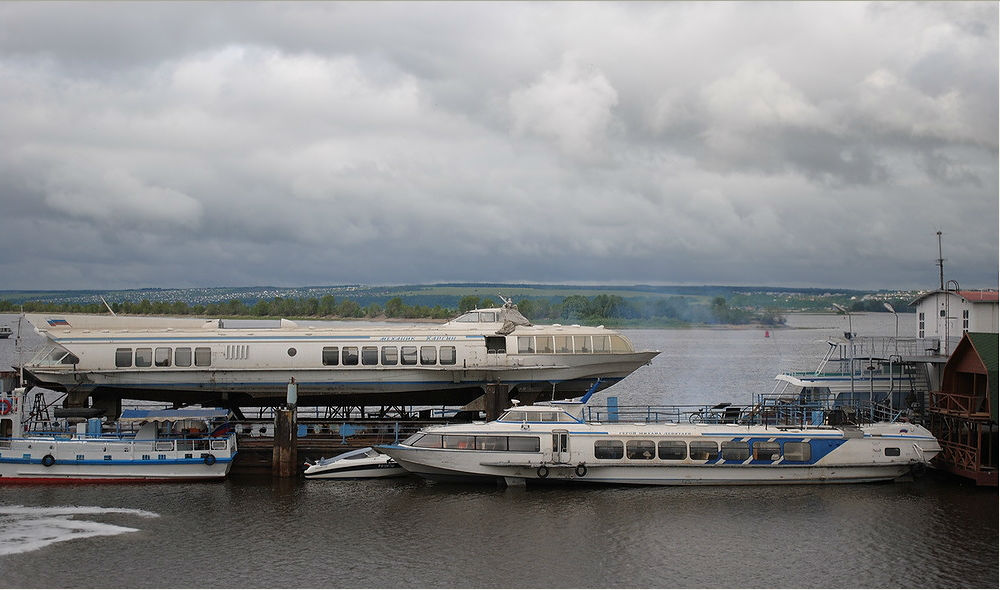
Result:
[[940, 260], [113, 311]]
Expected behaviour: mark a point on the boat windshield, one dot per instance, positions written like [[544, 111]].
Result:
[[536, 416], [477, 316], [54, 355]]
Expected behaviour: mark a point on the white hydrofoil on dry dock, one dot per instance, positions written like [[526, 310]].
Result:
[[202, 361]]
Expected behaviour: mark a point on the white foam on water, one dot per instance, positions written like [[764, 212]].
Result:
[[29, 528]]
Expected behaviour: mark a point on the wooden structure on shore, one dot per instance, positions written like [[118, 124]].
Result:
[[315, 439], [963, 414]]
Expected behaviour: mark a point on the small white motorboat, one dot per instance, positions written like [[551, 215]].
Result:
[[356, 464]]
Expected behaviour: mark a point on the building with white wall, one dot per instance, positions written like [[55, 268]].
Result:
[[946, 314]]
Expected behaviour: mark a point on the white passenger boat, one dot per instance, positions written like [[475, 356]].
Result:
[[199, 361], [874, 369], [167, 445], [553, 442], [356, 464]]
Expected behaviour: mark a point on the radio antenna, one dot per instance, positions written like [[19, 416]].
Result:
[[108, 306], [940, 260]]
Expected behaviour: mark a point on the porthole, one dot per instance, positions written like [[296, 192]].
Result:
[[291, 352]]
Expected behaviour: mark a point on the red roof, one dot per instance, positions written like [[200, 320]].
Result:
[[980, 296]]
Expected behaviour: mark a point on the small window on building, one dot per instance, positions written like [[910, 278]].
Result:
[[672, 450], [608, 449], [123, 357], [390, 355], [640, 449], [202, 356], [891, 451], [331, 355], [350, 355], [525, 344], [182, 357], [448, 356], [735, 451], [703, 450], [766, 451], [797, 451], [408, 355], [428, 355], [144, 357], [523, 444], [161, 357], [369, 355]]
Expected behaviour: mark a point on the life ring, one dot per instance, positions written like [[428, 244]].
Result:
[[48, 460], [581, 470], [208, 458], [6, 407], [542, 472]]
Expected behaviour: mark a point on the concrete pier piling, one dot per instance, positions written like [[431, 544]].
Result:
[[284, 457]]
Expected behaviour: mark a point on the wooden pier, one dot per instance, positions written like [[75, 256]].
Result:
[[315, 439]]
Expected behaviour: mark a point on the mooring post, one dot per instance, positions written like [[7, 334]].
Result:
[[496, 399], [284, 457]]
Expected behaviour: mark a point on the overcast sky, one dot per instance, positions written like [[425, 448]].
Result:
[[212, 144]]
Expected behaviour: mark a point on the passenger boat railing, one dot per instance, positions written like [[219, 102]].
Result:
[[767, 410]]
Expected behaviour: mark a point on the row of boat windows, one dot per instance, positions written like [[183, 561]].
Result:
[[572, 344], [521, 444], [163, 356], [704, 450], [332, 355], [640, 450], [701, 450], [389, 355]]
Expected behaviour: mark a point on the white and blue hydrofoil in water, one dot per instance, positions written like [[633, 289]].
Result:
[[775, 445]]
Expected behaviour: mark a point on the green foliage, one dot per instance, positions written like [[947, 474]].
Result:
[[468, 302]]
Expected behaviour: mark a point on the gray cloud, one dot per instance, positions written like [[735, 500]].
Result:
[[812, 144]]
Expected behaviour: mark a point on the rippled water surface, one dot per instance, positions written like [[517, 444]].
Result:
[[259, 532]]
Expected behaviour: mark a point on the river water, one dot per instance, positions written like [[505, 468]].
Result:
[[263, 533]]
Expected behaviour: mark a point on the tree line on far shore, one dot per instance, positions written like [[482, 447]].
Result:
[[599, 309]]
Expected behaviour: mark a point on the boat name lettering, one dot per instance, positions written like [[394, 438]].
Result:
[[441, 338], [396, 338]]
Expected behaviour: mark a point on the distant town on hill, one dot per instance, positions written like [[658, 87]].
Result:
[[612, 305]]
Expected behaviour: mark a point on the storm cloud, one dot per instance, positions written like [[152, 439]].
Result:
[[787, 144]]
